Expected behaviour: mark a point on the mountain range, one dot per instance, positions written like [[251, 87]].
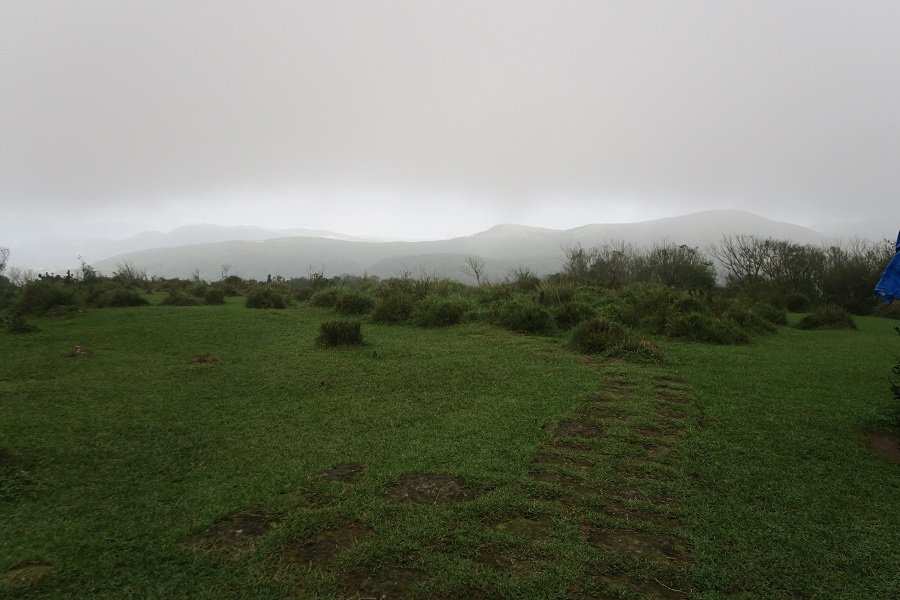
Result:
[[256, 252]]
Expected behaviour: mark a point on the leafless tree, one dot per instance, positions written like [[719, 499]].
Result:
[[474, 268], [4, 258]]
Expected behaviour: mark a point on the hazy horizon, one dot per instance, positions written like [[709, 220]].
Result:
[[421, 120]]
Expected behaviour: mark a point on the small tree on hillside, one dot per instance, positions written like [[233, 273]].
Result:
[[474, 267]]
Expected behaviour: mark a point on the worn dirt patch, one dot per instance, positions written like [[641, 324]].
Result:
[[579, 428], [578, 486], [235, 529], [204, 358], [505, 558], [672, 412], [671, 395], [349, 472], [640, 544], [25, 574], [78, 351], [431, 488], [649, 588], [885, 445], [320, 548], [382, 583], [524, 526]]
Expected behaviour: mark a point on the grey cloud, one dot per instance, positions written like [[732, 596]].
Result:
[[788, 109]]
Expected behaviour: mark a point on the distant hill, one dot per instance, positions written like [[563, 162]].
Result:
[[53, 253], [503, 248]]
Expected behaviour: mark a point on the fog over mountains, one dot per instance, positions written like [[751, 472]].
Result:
[[256, 252]]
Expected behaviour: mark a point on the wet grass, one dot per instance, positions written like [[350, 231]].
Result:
[[460, 462]]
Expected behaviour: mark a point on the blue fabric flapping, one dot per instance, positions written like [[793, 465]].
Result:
[[888, 287]]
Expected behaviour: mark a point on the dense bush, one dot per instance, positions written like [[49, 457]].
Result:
[[179, 298], [340, 333], [39, 296], [828, 317], [440, 311], [700, 327], [888, 311], [771, 313], [266, 297], [393, 307], [16, 323], [353, 302], [103, 296], [214, 295], [797, 302], [598, 335], [570, 314], [524, 316], [748, 319], [325, 297]]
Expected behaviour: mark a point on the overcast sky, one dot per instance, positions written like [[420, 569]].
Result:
[[421, 119]]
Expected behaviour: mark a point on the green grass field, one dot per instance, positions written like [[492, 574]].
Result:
[[471, 463]]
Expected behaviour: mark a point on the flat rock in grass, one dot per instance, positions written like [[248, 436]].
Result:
[[318, 550], [649, 545], [78, 352], [349, 472], [431, 488], [579, 428], [383, 583], [235, 529], [885, 445], [26, 574]]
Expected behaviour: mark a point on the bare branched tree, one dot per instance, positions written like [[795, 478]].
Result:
[[474, 268], [4, 258]]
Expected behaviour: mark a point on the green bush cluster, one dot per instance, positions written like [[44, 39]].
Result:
[[267, 297], [340, 333], [828, 317], [598, 335]]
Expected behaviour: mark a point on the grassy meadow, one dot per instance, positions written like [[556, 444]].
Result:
[[216, 451]]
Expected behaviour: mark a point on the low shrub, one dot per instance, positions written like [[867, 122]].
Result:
[[325, 298], [797, 302], [439, 311], [39, 296], [700, 327], [105, 296], [570, 314], [828, 317], [748, 319], [214, 295], [771, 313], [340, 333], [16, 323], [179, 298], [352, 302], [524, 316], [266, 297], [887, 311], [598, 335], [394, 307]]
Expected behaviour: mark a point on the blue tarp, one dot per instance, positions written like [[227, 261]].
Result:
[[888, 287]]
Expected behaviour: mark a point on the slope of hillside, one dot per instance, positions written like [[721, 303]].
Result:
[[504, 247]]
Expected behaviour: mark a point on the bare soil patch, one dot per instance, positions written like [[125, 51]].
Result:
[[579, 428], [646, 588], [204, 358], [885, 445], [25, 574], [536, 527], [431, 488], [319, 549], [78, 351], [235, 529], [505, 558], [639, 544], [349, 472], [383, 583]]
